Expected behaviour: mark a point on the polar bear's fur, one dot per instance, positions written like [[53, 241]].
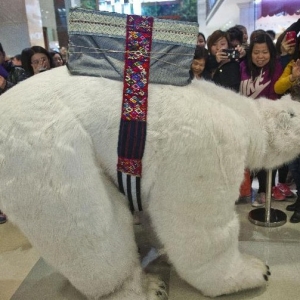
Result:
[[58, 179]]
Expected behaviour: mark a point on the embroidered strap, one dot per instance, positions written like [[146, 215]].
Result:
[[132, 133]]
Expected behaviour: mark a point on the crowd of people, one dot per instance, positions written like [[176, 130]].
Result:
[[263, 67], [30, 62]]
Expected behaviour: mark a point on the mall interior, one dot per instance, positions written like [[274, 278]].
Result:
[[25, 275], [25, 23]]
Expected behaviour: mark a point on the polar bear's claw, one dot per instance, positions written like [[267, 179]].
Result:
[[157, 289], [267, 274]]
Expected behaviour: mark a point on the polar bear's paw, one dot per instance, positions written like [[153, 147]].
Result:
[[156, 289], [248, 273]]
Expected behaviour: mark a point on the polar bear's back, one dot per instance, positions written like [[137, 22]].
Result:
[[54, 107]]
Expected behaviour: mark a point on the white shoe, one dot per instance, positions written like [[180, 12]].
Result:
[[260, 200]]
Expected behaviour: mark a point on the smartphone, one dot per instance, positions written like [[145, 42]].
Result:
[[232, 53], [291, 36]]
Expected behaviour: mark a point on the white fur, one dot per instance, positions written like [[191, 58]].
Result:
[[58, 154]]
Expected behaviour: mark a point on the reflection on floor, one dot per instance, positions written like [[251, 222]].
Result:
[[25, 276]]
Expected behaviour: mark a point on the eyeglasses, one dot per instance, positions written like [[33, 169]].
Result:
[[41, 60]]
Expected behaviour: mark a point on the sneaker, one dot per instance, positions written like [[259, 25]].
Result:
[[260, 200], [2, 217], [277, 195], [243, 200], [285, 190]]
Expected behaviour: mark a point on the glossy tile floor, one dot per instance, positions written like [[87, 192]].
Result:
[[25, 276]]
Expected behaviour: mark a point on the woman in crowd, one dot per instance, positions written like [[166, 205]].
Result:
[[259, 72], [223, 67], [36, 60], [201, 40], [245, 35], [236, 36], [285, 49], [224, 70], [57, 58], [9, 76], [289, 82]]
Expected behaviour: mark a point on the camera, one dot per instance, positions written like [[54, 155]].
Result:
[[232, 53]]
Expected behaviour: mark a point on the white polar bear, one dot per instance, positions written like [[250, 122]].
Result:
[[58, 179]]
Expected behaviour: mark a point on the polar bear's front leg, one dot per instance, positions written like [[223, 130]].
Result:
[[206, 255]]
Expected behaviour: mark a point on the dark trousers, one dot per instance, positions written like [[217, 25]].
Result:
[[294, 168], [262, 177]]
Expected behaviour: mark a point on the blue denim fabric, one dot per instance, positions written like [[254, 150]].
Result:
[[102, 55]]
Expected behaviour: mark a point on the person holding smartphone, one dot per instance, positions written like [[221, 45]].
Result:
[[289, 82], [222, 64], [224, 67], [285, 47]]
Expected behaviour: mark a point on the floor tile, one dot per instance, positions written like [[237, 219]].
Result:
[[29, 277]]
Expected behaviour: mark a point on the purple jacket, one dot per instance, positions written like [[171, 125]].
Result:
[[3, 72], [262, 86]]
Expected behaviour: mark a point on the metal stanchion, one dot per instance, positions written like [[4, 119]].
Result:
[[267, 216]]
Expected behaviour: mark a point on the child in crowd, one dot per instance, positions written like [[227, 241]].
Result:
[[198, 70]]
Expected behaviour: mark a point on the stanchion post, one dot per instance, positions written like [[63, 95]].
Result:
[[267, 216], [268, 196]]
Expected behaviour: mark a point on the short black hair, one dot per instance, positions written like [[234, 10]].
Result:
[[235, 34], [271, 33], [201, 52], [1, 48], [17, 57]]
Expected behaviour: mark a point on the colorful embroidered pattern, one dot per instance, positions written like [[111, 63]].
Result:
[[132, 133], [129, 166], [136, 74], [109, 24]]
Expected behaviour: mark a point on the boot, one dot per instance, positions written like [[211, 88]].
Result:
[[2, 217], [295, 218], [292, 207]]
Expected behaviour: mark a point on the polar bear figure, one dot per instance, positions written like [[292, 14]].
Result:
[[58, 179]]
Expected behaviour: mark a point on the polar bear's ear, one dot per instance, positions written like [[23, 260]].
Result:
[[284, 119]]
